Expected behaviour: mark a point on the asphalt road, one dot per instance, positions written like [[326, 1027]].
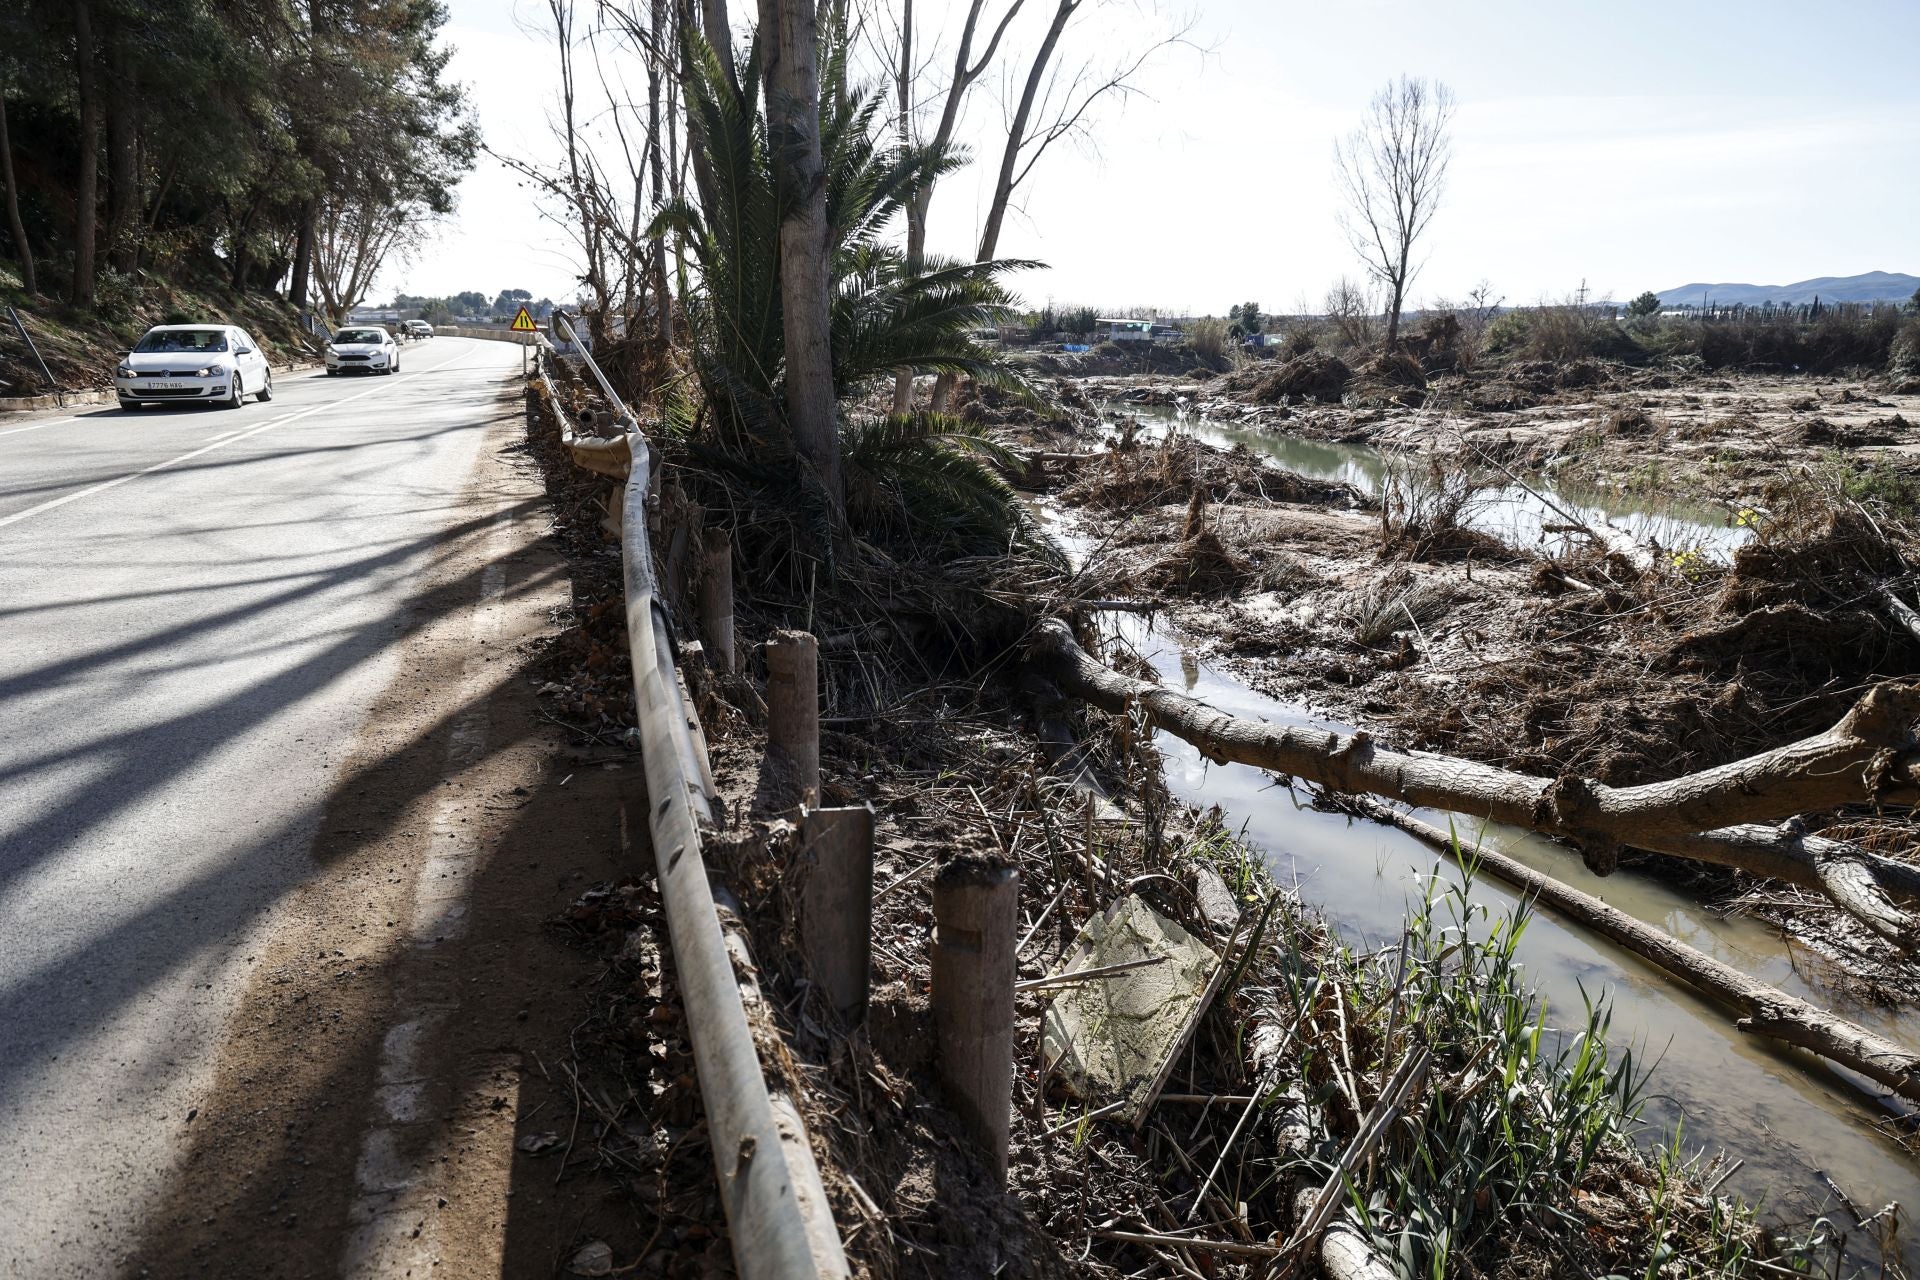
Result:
[[197, 606]]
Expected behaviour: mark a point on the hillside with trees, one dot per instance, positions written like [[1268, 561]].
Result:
[[221, 149]]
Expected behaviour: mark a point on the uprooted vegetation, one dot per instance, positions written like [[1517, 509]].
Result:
[[1307, 1041], [1579, 663]]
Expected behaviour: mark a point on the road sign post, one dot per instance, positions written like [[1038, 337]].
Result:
[[523, 323]]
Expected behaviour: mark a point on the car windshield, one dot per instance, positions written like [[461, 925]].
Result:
[[358, 335], [183, 340]]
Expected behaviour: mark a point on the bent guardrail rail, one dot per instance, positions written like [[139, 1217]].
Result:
[[780, 1224]]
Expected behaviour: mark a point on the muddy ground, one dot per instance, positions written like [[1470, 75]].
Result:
[[1395, 618], [1598, 426]]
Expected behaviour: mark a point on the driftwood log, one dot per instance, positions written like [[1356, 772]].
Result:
[[1715, 815], [1767, 1011]]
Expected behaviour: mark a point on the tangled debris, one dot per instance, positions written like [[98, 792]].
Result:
[[1304, 1045], [1579, 662]]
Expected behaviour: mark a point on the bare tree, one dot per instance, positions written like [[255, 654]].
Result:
[[1055, 102], [789, 49], [606, 177], [1352, 308], [967, 71], [1393, 171], [355, 237]]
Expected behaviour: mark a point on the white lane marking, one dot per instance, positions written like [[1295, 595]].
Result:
[[20, 431], [105, 485], [395, 1216]]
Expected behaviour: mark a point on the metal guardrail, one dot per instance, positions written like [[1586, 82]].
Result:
[[778, 1218]]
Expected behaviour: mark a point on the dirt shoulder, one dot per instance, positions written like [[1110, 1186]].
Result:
[[399, 1029]]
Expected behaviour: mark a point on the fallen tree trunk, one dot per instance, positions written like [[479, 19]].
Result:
[[1712, 815], [1768, 1011]]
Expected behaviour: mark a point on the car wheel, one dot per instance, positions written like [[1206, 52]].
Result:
[[130, 405], [239, 396], [266, 388]]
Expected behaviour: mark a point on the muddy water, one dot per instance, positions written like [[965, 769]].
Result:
[[1509, 512], [1786, 1117]]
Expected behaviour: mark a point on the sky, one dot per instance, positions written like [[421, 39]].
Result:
[[1620, 145]]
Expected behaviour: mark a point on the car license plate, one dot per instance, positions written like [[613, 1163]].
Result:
[[171, 386]]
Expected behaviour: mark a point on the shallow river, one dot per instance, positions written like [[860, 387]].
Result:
[[1786, 1116], [1508, 511]]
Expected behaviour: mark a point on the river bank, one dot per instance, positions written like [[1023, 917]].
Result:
[[1307, 1036], [1289, 600]]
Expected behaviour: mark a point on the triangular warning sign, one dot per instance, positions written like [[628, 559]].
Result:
[[523, 323]]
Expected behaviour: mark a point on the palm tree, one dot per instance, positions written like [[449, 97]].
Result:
[[922, 476]]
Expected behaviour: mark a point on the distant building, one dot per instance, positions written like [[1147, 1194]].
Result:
[[1116, 329]]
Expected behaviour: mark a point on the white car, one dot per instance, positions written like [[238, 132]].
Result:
[[366, 348], [209, 362], [418, 329]]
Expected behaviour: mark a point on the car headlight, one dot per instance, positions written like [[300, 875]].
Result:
[[211, 371], [124, 371]]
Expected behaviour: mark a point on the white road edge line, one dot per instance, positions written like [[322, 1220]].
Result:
[[105, 485], [394, 1221], [20, 431]]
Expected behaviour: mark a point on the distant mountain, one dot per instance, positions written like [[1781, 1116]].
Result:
[[1873, 286]]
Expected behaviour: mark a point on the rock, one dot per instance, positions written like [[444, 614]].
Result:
[[595, 1258]]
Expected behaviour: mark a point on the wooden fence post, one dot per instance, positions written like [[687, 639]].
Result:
[[793, 711], [975, 908], [836, 904], [716, 596]]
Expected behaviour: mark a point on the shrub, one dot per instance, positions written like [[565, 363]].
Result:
[[1300, 340], [1838, 338], [1507, 333], [1209, 338], [1566, 331], [1903, 353]]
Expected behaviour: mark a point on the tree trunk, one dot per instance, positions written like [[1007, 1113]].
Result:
[[1768, 1011], [1009, 162], [15, 227], [719, 30], [1017, 130], [86, 189], [656, 69], [788, 43], [1868, 757], [123, 160], [903, 86], [303, 254]]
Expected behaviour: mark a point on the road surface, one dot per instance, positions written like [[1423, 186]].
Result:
[[198, 608]]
